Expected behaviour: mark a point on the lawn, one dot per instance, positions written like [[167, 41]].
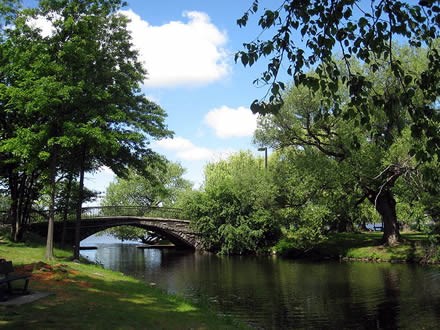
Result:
[[90, 297], [414, 247]]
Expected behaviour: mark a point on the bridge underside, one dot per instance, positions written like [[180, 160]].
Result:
[[177, 232]]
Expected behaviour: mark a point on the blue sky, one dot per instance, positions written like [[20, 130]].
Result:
[[188, 49]]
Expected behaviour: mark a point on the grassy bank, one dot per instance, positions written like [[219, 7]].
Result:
[[415, 247], [90, 297]]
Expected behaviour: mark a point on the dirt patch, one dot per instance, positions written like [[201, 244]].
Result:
[[55, 276]]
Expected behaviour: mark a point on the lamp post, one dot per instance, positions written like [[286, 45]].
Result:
[[265, 156]]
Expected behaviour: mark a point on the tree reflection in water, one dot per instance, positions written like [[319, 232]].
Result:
[[388, 310]]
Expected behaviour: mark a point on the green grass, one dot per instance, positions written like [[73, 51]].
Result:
[[415, 247], [90, 297]]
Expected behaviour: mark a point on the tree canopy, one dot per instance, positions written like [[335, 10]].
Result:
[[361, 162], [70, 98], [160, 188], [324, 36], [234, 210]]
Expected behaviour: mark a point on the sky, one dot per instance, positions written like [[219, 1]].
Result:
[[188, 49]]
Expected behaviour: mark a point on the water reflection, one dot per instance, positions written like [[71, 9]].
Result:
[[388, 310], [273, 293]]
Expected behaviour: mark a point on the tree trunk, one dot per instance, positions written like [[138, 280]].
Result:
[[51, 220], [363, 226], [66, 208], [79, 206], [22, 193], [13, 210], [385, 204], [12, 215]]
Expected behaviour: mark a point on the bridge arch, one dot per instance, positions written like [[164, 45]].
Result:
[[177, 231]]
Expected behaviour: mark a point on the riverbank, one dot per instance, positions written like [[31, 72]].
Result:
[[365, 246], [89, 297]]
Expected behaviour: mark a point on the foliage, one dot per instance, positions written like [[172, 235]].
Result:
[[66, 198], [5, 202], [313, 192], [366, 246], [342, 161], [308, 34], [125, 233], [161, 186], [70, 100], [234, 211]]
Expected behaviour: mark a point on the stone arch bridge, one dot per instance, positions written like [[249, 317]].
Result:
[[165, 222]]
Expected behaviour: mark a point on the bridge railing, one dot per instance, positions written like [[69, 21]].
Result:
[[139, 211], [106, 211]]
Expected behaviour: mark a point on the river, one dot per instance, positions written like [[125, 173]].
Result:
[[275, 293]]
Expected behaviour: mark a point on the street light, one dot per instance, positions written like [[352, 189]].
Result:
[[265, 156]]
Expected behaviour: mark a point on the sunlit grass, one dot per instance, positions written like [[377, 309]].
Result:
[[415, 247]]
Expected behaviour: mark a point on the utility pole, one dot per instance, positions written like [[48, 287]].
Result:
[[265, 156]]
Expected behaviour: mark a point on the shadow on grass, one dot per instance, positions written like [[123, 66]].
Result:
[[368, 246], [103, 300], [338, 245]]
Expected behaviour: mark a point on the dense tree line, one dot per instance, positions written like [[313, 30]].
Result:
[[357, 130], [235, 208], [70, 102], [356, 133], [329, 171]]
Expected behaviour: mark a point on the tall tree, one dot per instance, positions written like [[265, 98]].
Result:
[[373, 157], [82, 88], [112, 120], [23, 157]]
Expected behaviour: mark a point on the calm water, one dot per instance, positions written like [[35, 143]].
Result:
[[273, 293]]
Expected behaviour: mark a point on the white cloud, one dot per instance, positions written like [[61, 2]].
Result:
[[228, 122], [185, 150], [99, 180], [106, 169], [180, 53], [174, 54], [44, 24]]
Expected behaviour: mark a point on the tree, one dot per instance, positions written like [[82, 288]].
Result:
[[160, 187], [113, 120], [315, 195], [306, 35], [75, 94], [22, 156], [235, 210], [369, 158]]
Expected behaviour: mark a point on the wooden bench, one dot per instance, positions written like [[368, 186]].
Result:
[[7, 276]]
